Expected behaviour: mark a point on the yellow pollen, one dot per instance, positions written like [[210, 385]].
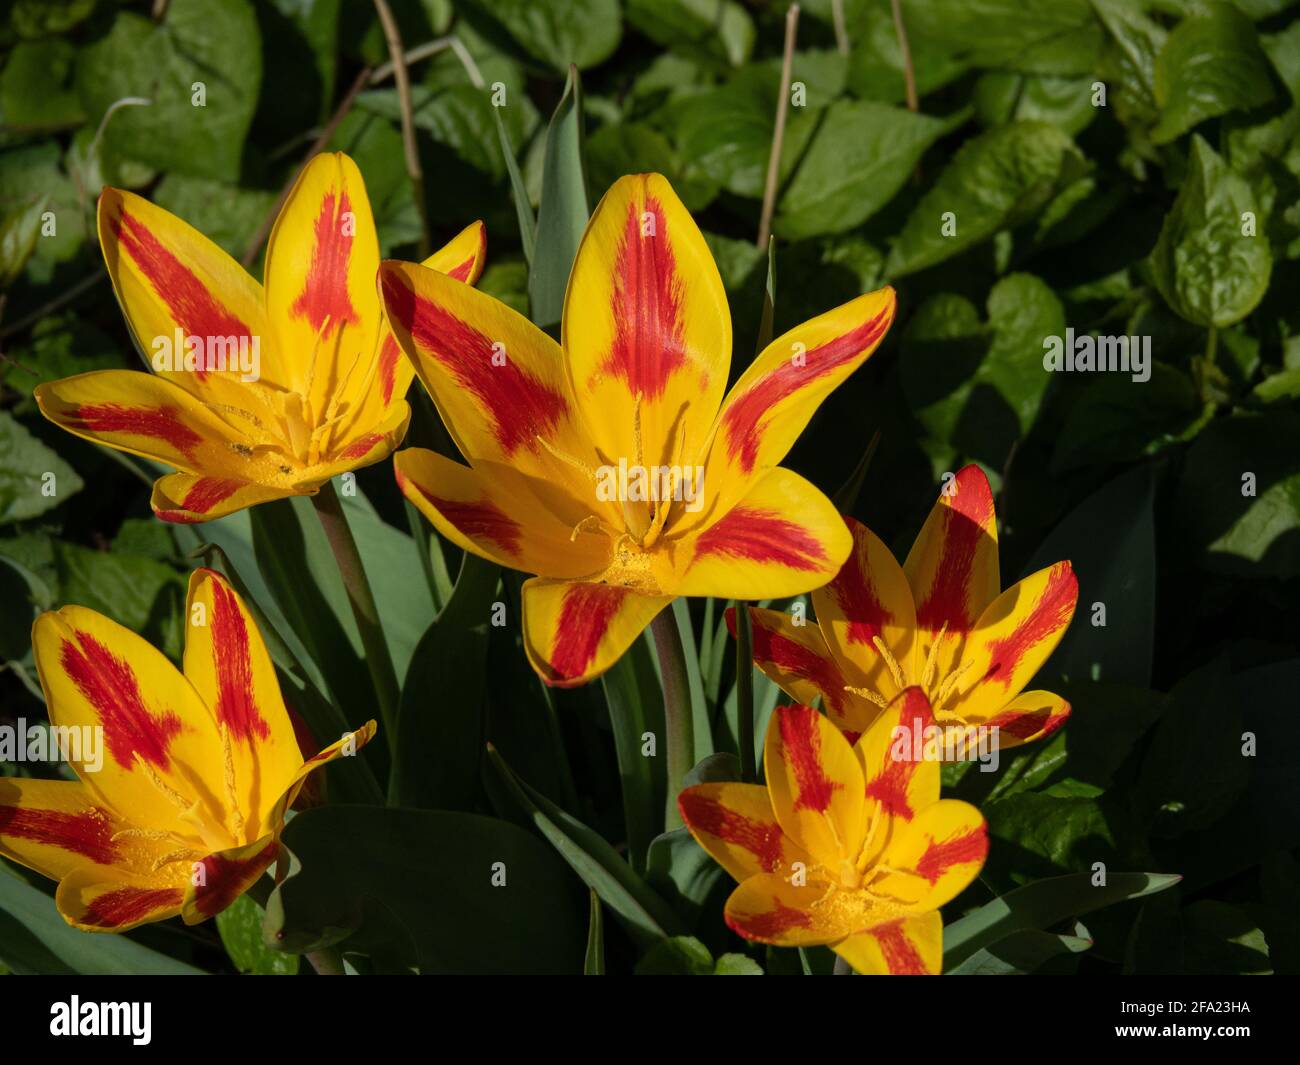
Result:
[[174, 856], [890, 661], [567, 459], [932, 658], [946, 689], [866, 693], [589, 524], [232, 795], [140, 833], [173, 796]]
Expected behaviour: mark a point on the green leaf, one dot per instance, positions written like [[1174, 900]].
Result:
[[687, 956], [705, 29], [682, 872], [635, 708], [36, 85], [1208, 271], [36, 940], [562, 213], [1020, 953], [19, 232], [240, 928], [593, 963], [23, 593], [561, 32], [225, 213], [143, 594], [212, 42], [1211, 64], [32, 175], [996, 181], [1040, 905], [876, 65], [860, 156], [1223, 939], [434, 890]]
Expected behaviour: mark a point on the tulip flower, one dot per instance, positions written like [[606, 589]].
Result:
[[258, 391], [609, 464], [847, 846], [938, 622], [181, 812]]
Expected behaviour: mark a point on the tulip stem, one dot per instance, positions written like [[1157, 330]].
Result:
[[362, 600], [678, 722], [745, 693]]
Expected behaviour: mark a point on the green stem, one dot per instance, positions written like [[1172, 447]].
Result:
[[680, 740], [1207, 363], [327, 962], [745, 692], [842, 968], [332, 519]]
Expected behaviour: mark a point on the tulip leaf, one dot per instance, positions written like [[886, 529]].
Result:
[[594, 962], [438, 891], [635, 709], [1042, 904], [682, 872], [1019, 953], [562, 213], [687, 956], [33, 478], [240, 928]]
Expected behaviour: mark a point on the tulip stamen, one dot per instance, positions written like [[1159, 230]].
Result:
[[175, 856], [868, 694], [567, 459], [932, 659], [178, 800], [895, 670], [950, 684], [140, 833], [232, 795], [589, 524]]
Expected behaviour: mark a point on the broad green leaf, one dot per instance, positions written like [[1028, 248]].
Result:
[[706, 29], [876, 67], [240, 928], [1040, 905], [225, 213], [581, 32], [143, 594], [682, 872], [1046, 833], [1058, 37], [19, 233], [1223, 939], [34, 174], [636, 708], [36, 85], [42, 18], [996, 181], [434, 890], [1204, 264], [299, 49], [687, 956], [22, 592], [1212, 63], [1019, 953]]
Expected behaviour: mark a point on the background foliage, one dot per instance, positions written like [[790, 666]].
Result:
[[1118, 219]]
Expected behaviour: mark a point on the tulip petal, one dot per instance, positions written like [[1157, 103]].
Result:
[[353, 449], [186, 498], [95, 900], [346, 746], [499, 514], [497, 380], [646, 328], [869, 600], [160, 744], [1028, 717], [770, 405], [903, 946], [933, 858], [321, 259], [462, 257], [575, 630], [783, 538], [1012, 639], [902, 776], [219, 879], [816, 785], [169, 277], [953, 565], [736, 825], [229, 666], [768, 908]]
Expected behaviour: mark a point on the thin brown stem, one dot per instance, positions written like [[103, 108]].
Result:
[[84, 285], [398, 58], [909, 72], [778, 133]]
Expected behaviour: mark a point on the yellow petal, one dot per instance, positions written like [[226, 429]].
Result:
[[783, 538], [463, 256], [901, 773], [933, 858], [575, 630], [95, 900], [1028, 717], [186, 498], [346, 746], [768, 908], [736, 825], [646, 328], [816, 785], [219, 879], [908, 946], [357, 447]]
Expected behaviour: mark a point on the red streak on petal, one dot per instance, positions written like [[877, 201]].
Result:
[[889, 787], [967, 522], [479, 520], [901, 955], [939, 857], [128, 905], [1025, 723], [745, 414], [857, 599], [647, 348], [324, 297], [762, 839], [193, 305], [207, 492], [236, 705], [360, 447], [585, 615], [770, 924], [801, 742], [88, 834], [793, 658], [1049, 616], [389, 353], [519, 407], [225, 879], [761, 536], [465, 270], [158, 423], [111, 687]]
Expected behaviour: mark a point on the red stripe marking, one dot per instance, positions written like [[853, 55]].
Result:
[[801, 743], [855, 594], [464, 270], [647, 348], [519, 407], [111, 687], [792, 657], [762, 839], [207, 492], [745, 414], [769, 925], [128, 905], [761, 536], [389, 353], [479, 520], [193, 305], [159, 423], [324, 297], [938, 858], [88, 834], [232, 660], [901, 956], [225, 879], [1025, 723], [585, 615], [1051, 614], [889, 786], [360, 447], [967, 519]]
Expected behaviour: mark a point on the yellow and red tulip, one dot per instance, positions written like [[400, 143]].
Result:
[[938, 621], [198, 768], [847, 846], [638, 380], [330, 383]]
